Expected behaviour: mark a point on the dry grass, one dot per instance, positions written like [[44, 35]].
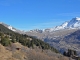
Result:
[[28, 54], [5, 54]]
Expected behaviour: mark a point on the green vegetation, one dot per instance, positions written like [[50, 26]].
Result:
[[7, 36], [5, 41], [4, 29], [70, 53]]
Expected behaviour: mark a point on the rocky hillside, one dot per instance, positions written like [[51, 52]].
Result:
[[15, 46], [8, 36], [56, 36], [25, 53], [73, 41]]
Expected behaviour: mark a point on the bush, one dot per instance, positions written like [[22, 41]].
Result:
[[5, 41]]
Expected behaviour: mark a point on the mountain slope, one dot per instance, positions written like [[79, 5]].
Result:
[[25, 53], [73, 38], [5, 54], [74, 23], [12, 28], [33, 48], [22, 38], [56, 36], [8, 26], [4, 29]]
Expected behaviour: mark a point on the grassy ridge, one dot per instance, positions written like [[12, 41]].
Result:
[[8, 36]]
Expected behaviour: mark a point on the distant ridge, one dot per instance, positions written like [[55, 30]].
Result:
[[72, 24], [62, 37]]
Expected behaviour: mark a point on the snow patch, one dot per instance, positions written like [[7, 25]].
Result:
[[77, 18], [11, 28], [74, 23]]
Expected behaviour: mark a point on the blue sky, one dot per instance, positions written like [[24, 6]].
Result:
[[40, 14]]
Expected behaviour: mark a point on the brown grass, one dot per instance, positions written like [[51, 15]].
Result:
[[28, 54]]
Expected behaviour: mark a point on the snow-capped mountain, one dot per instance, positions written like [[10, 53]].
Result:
[[62, 37], [12, 28], [63, 26], [72, 24], [8, 26], [36, 30]]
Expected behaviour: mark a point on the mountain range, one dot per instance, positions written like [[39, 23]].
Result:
[[56, 36], [15, 46], [61, 37], [72, 24]]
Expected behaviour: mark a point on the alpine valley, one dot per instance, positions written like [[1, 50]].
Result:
[[63, 37], [28, 45]]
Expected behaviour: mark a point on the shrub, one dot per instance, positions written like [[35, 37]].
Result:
[[5, 41]]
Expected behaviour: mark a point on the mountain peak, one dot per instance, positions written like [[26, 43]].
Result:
[[76, 18], [74, 23]]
